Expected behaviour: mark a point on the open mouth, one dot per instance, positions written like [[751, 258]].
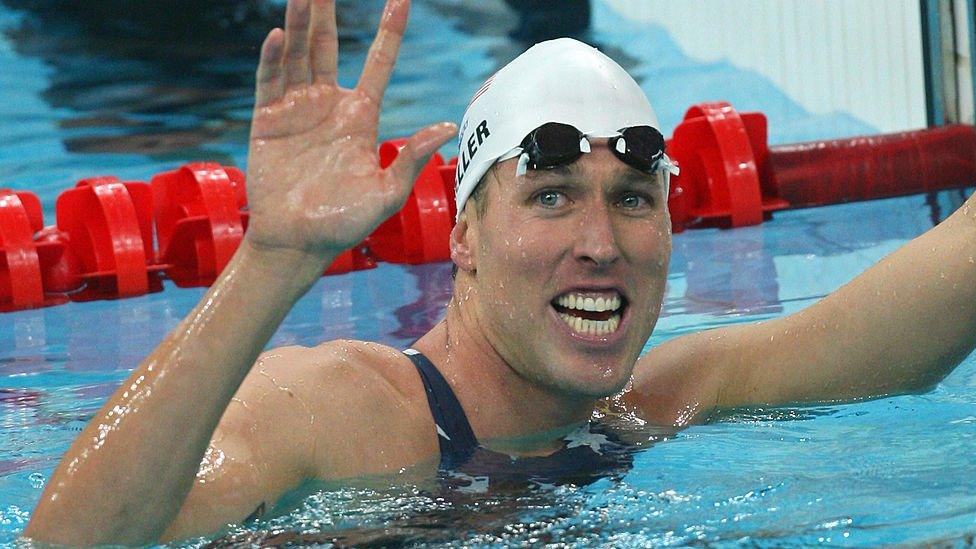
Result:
[[591, 313]]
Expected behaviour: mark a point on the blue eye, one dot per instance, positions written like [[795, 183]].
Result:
[[633, 201], [550, 199]]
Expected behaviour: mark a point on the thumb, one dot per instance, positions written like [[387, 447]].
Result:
[[418, 149]]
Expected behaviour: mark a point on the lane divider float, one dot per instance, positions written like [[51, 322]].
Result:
[[730, 176], [115, 239]]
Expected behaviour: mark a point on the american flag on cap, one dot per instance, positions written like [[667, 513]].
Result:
[[484, 87]]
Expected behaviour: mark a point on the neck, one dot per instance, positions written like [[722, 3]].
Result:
[[505, 409]]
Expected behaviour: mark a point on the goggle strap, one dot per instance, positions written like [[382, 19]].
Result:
[[665, 163], [523, 165], [510, 154]]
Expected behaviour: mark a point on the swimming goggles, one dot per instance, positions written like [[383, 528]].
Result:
[[555, 144]]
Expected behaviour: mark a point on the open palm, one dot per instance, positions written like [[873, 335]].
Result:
[[314, 182]]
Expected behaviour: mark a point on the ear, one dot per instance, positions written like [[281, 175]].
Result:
[[464, 238]]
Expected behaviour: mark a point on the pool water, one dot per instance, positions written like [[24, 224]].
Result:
[[79, 98]]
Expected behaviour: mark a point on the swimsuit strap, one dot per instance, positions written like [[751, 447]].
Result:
[[454, 433]]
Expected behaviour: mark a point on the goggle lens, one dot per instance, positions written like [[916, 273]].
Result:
[[555, 144], [552, 145], [639, 146]]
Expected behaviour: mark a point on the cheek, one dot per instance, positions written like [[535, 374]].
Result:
[[650, 245], [516, 268], [651, 255], [522, 248]]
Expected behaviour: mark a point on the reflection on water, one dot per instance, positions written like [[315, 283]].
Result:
[[734, 275], [547, 19], [120, 64], [144, 77], [168, 79], [765, 415], [435, 285], [411, 517], [511, 509], [156, 84]]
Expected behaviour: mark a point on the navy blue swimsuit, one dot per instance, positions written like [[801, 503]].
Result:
[[468, 474], [590, 453]]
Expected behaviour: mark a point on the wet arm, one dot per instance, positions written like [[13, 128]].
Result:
[[314, 188], [262, 448], [901, 326], [126, 476]]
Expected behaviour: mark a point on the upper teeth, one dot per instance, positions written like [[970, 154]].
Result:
[[599, 304]]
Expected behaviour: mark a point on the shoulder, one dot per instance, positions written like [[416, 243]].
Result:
[[339, 364], [688, 377], [680, 381], [364, 405], [351, 360]]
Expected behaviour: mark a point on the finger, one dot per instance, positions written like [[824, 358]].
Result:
[[296, 44], [383, 52], [417, 151], [323, 42], [269, 83]]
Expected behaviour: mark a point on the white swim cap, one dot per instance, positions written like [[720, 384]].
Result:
[[561, 80]]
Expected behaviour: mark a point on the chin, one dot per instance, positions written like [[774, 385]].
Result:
[[589, 380]]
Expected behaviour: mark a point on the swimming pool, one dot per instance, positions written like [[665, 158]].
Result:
[[897, 469]]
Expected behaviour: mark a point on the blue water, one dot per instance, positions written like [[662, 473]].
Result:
[[77, 100]]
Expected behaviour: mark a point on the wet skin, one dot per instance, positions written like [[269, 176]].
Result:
[[248, 428], [596, 227], [314, 188]]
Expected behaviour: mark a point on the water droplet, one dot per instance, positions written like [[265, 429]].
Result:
[[36, 480]]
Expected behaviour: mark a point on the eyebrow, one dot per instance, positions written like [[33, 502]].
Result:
[[634, 176], [559, 171], [630, 176]]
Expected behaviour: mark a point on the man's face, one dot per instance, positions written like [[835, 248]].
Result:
[[551, 241]]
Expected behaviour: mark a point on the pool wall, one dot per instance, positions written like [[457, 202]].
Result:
[[863, 58]]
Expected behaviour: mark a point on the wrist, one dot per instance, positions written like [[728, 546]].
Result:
[[287, 269]]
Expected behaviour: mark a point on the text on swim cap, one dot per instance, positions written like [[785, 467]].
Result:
[[474, 141]]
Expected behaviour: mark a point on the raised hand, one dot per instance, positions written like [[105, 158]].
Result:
[[314, 182], [315, 188]]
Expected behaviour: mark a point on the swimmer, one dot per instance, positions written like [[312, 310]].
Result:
[[561, 245]]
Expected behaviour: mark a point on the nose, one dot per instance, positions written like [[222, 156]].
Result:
[[596, 242]]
